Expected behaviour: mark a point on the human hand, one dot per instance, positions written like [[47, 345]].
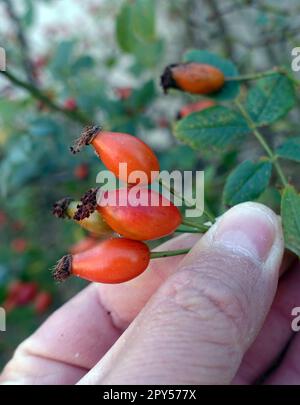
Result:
[[207, 318]]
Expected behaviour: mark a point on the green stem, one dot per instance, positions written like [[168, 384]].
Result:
[[185, 201], [188, 229], [168, 253], [254, 76], [38, 94], [263, 143], [199, 227]]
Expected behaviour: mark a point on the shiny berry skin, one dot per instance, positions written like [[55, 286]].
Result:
[[141, 222], [115, 148], [112, 261], [195, 78]]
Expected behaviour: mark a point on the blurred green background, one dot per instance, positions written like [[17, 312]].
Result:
[[102, 60]]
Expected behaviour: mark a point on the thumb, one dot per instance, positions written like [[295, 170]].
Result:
[[198, 325]]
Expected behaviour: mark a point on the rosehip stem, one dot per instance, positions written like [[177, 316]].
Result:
[[199, 227], [187, 229], [255, 76], [209, 215], [39, 95], [168, 253], [263, 143]]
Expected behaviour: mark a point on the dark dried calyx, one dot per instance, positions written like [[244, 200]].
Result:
[[63, 268], [166, 79], [60, 207], [86, 137], [88, 204]]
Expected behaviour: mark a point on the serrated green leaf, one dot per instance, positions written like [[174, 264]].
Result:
[[231, 89], [143, 19], [290, 149], [270, 99], [247, 182], [215, 128], [290, 214]]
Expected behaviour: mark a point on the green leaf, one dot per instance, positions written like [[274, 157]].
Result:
[[215, 128], [270, 99], [290, 214], [142, 96], [290, 149], [44, 127], [150, 56], [231, 89], [143, 19], [124, 32], [82, 63], [62, 59], [247, 182]]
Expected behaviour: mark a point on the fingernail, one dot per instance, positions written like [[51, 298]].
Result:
[[248, 227]]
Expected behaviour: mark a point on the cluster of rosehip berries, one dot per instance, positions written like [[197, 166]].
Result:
[[123, 228]]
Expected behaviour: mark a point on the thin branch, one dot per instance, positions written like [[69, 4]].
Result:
[[28, 66], [39, 95]]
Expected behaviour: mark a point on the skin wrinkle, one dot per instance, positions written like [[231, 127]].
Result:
[[12, 373], [210, 276]]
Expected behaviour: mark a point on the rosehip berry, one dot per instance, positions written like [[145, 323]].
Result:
[[67, 208], [21, 293], [42, 302], [193, 107], [70, 104], [114, 148], [196, 78], [84, 244], [19, 245], [81, 172], [123, 93], [154, 218], [3, 218], [111, 261]]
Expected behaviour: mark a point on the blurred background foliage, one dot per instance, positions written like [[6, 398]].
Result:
[[101, 61]]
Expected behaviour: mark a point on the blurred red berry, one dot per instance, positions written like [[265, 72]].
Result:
[[70, 104], [18, 245], [81, 171], [193, 107], [123, 92], [21, 293], [18, 226], [3, 218], [42, 302], [163, 123], [83, 244]]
